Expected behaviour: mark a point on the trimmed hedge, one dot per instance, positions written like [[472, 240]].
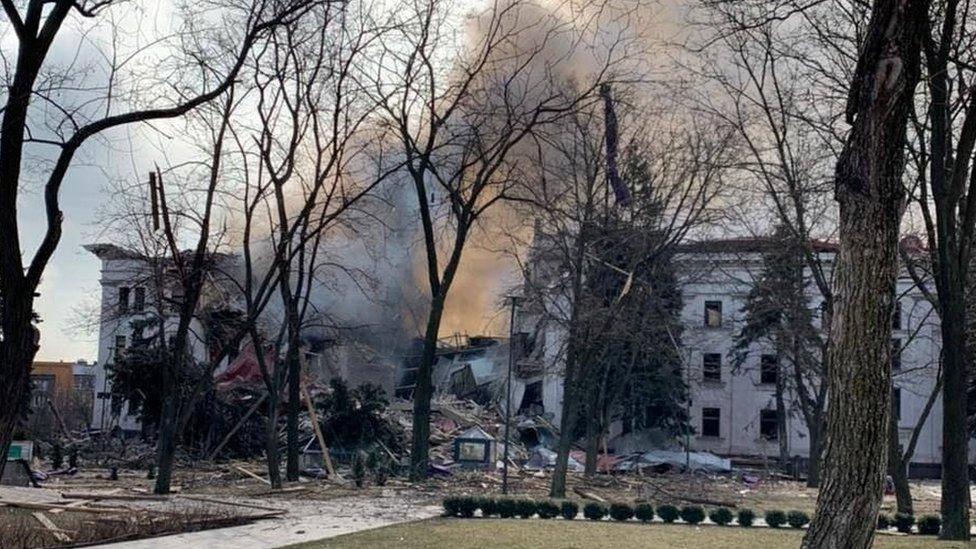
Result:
[[884, 521], [644, 512], [525, 508], [668, 513], [488, 506], [594, 511], [506, 508], [775, 518], [929, 525], [621, 511], [547, 509], [467, 506], [797, 519], [746, 517], [452, 506], [692, 514], [721, 516], [569, 509], [904, 522]]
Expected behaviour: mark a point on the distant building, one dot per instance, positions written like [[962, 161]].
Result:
[[732, 411], [135, 290]]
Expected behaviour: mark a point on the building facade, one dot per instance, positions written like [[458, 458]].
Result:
[[732, 408]]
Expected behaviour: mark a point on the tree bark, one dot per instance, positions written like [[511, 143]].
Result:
[[294, 396], [593, 432], [271, 443], [955, 501], [898, 470], [813, 466], [424, 390], [869, 189]]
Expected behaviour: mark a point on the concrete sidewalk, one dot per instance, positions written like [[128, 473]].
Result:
[[306, 520]]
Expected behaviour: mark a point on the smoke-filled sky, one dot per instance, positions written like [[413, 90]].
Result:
[[71, 287]]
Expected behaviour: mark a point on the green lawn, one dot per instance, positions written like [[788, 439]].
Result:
[[555, 534]]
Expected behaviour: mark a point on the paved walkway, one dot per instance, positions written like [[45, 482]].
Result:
[[305, 521]]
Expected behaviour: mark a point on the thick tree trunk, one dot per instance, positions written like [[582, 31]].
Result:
[[166, 440], [17, 350], [871, 194], [955, 436], [424, 390], [813, 466], [897, 470]]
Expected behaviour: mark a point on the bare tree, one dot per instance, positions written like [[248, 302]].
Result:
[[32, 88], [459, 118], [871, 194]]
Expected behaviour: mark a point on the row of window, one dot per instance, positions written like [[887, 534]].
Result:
[[138, 295], [713, 314], [769, 365], [711, 419], [711, 423]]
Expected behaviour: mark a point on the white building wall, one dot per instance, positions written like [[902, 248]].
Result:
[[740, 396], [115, 274]]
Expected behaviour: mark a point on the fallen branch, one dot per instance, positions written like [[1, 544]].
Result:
[[252, 475], [57, 532]]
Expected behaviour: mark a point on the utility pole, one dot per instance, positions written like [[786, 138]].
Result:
[[508, 392]]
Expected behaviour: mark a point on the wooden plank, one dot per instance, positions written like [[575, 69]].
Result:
[[252, 475], [318, 433], [51, 507], [76, 503], [237, 427], [121, 497], [588, 495], [58, 533], [235, 504]]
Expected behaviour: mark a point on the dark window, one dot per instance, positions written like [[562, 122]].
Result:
[[711, 422], [140, 300], [119, 346], [42, 388], [896, 403], [712, 367], [713, 314], [768, 424], [896, 354], [896, 316], [768, 369], [124, 299]]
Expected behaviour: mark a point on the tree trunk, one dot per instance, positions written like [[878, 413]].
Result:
[[782, 435], [897, 469], [869, 189], [593, 432], [955, 436], [17, 350], [166, 441], [424, 390], [294, 398], [813, 466], [567, 425], [271, 443]]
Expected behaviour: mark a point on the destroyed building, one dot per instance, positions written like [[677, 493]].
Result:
[[135, 290]]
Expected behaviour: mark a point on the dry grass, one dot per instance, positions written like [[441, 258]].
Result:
[[19, 529], [559, 534]]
